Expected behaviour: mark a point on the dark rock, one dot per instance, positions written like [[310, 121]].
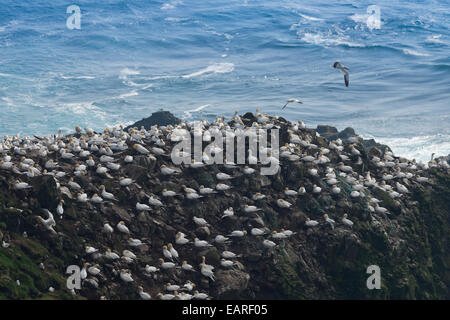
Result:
[[160, 118], [231, 283]]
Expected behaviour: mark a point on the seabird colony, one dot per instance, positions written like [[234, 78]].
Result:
[[98, 172]]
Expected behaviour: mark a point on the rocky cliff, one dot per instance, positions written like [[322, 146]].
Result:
[[409, 243]]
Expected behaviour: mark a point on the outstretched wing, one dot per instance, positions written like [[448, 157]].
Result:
[[346, 79], [285, 105]]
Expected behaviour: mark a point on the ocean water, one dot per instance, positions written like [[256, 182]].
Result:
[[203, 58]]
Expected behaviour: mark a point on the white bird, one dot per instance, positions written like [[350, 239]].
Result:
[[200, 221], [346, 221], [283, 203], [329, 220], [228, 212], [122, 227], [144, 295], [291, 101], [126, 276], [311, 223]]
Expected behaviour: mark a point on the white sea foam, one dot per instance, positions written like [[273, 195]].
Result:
[[83, 108], [8, 101], [77, 77], [415, 53], [124, 73], [223, 67], [188, 113], [129, 94], [327, 40], [434, 39], [310, 18], [419, 147]]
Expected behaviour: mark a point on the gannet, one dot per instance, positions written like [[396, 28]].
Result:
[[248, 208], [126, 276], [129, 254], [166, 265], [180, 238], [311, 223], [248, 170], [142, 207], [172, 251], [316, 189], [226, 263], [290, 192], [154, 202], [122, 227], [222, 187], [140, 149], [94, 270], [150, 269], [107, 195], [223, 176], [237, 233], [48, 223], [290, 101], [167, 296], [96, 199], [189, 286], [21, 185], [344, 70], [207, 271], [167, 171], [283, 203], [204, 190], [200, 221], [380, 209], [228, 212], [229, 255], [134, 242], [90, 250], [200, 296], [168, 193], [258, 196], [221, 239], [111, 255], [347, 221], [107, 228], [143, 295], [329, 220], [193, 195], [201, 243], [257, 231], [186, 266], [268, 244], [278, 235]]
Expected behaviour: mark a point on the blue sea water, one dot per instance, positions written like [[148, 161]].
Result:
[[201, 58]]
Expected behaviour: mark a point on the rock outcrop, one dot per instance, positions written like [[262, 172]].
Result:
[[410, 245]]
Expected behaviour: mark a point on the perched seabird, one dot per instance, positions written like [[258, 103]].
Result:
[[346, 221], [344, 70]]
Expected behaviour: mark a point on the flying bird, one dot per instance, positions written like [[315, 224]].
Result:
[[291, 100], [344, 70]]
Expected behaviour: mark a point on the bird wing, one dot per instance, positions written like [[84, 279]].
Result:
[[285, 105], [346, 78]]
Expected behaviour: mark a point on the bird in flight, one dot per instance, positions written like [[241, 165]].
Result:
[[291, 100], [344, 70]]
